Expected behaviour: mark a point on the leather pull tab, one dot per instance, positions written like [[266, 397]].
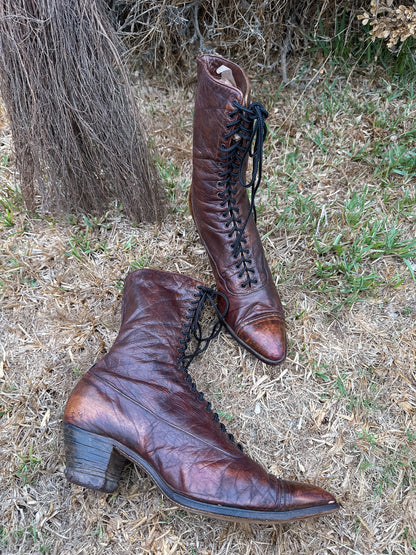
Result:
[[227, 76]]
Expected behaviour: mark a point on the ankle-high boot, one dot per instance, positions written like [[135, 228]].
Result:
[[228, 130], [139, 403]]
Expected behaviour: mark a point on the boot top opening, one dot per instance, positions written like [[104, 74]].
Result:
[[231, 75]]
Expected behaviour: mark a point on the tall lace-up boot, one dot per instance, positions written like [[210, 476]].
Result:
[[139, 403], [228, 131]]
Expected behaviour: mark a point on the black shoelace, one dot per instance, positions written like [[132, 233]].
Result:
[[249, 131], [192, 329]]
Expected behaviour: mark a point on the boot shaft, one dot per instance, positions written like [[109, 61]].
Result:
[[155, 308], [219, 203], [213, 102]]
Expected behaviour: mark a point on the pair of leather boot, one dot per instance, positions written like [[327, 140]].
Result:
[[139, 402]]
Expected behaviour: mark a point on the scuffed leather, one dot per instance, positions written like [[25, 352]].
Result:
[[137, 396], [259, 301]]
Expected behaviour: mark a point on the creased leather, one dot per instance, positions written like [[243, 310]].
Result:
[[137, 396], [213, 104]]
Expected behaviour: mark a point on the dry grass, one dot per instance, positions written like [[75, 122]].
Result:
[[340, 412]]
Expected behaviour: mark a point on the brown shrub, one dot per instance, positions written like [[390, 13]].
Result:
[[78, 138], [168, 34], [390, 22]]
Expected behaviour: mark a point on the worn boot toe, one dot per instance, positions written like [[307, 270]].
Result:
[[265, 338], [302, 496]]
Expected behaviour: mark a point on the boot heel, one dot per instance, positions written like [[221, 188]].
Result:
[[91, 460]]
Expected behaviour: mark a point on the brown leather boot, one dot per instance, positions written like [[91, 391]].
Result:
[[228, 130], [139, 403]]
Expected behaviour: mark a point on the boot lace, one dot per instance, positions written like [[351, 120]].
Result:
[[249, 130], [192, 329]]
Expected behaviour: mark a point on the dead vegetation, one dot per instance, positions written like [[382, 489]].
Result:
[[258, 35], [79, 140], [390, 22]]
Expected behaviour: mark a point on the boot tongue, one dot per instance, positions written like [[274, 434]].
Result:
[[226, 76]]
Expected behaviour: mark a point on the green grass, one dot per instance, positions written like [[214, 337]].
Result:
[[84, 241], [347, 235], [130, 244], [321, 371], [345, 253], [10, 205], [390, 158], [386, 468], [28, 467], [411, 540], [344, 239], [296, 211], [82, 245], [170, 176], [140, 262], [224, 415], [175, 186], [6, 218], [29, 533]]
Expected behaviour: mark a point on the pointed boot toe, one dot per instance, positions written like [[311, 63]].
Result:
[[265, 338], [308, 498]]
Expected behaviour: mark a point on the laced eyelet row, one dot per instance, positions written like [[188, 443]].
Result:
[[191, 327], [246, 126]]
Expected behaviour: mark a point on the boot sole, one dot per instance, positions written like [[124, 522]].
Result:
[[96, 462]]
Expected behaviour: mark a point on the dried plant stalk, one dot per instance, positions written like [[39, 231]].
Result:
[[78, 137], [255, 34]]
